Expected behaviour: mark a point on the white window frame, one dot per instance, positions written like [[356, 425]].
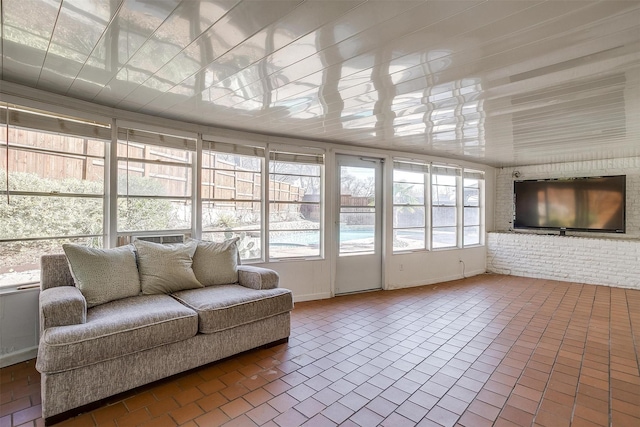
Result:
[[38, 121], [248, 152], [293, 156], [438, 170], [145, 138], [479, 176], [419, 168]]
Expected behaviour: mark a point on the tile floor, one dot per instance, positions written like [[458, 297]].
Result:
[[489, 350]]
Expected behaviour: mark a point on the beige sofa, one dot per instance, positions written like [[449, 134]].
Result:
[[90, 352]]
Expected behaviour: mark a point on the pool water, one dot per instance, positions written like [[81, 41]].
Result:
[[312, 238]]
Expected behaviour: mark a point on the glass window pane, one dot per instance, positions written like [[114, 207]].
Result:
[[408, 216], [471, 183], [443, 216], [145, 179], [471, 235], [356, 238], [294, 188], [444, 237], [248, 243], [213, 160], [408, 177], [50, 216], [54, 142], [287, 168], [449, 180], [408, 239], [407, 193], [291, 222], [223, 216], [145, 214], [471, 216], [357, 186], [136, 151], [443, 195], [227, 179], [303, 215], [231, 185], [20, 261], [39, 172], [471, 196], [294, 243]]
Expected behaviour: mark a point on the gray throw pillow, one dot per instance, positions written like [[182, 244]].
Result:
[[103, 275], [166, 268], [216, 263]]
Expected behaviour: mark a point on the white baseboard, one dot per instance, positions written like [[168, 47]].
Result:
[[18, 356], [311, 297], [436, 280]]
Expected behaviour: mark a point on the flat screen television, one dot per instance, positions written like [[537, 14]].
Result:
[[578, 204]]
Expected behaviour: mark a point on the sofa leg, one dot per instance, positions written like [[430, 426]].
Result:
[[275, 343]]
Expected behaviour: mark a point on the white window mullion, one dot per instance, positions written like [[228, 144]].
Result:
[[266, 205], [196, 192], [111, 188]]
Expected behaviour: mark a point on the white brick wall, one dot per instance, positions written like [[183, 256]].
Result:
[[612, 262], [596, 258]]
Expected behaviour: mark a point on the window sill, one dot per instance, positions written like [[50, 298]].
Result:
[[14, 289]]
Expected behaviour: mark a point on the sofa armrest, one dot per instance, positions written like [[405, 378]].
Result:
[[62, 306], [54, 271], [257, 277]]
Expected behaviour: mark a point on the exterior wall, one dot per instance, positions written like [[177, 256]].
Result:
[[611, 262]]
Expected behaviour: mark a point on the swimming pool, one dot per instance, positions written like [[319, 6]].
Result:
[[312, 237]]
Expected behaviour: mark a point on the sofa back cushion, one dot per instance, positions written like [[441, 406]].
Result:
[[103, 275], [166, 268], [216, 263]]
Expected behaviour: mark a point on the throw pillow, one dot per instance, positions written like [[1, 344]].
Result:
[[216, 263], [166, 268], [103, 275]]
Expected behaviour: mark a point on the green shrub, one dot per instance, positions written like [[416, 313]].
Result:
[[56, 215]]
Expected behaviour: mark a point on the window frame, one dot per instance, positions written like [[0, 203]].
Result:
[[456, 172], [417, 167], [294, 157], [479, 177], [148, 139], [213, 149], [22, 119]]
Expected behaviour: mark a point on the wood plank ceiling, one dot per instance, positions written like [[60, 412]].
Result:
[[496, 82]]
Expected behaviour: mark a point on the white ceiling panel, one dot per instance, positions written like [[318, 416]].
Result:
[[499, 82]]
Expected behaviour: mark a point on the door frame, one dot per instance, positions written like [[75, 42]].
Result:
[[334, 229]]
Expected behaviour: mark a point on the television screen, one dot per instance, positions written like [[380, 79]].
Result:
[[580, 204]]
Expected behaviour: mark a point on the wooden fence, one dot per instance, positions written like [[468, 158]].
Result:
[[58, 157]]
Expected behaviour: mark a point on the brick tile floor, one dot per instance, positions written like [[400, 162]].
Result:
[[485, 351]]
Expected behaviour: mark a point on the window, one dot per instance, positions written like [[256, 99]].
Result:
[[444, 207], [409, 205], [51, 188], [472, 189], [232, 196], [154, 182], [295, 207]]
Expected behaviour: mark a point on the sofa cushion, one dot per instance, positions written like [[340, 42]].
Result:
[[115, 329], [166, 268], [103, 275], [216, 263], [226, 306]]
